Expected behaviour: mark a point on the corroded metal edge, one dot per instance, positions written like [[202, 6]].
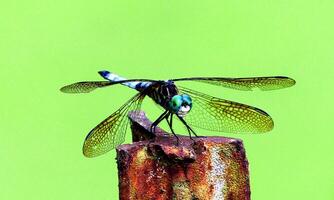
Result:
[[154, 167]]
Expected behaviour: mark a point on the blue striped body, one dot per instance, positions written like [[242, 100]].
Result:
[[138, 85], [161, 91]]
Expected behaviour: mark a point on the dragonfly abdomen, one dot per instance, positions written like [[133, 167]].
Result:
[[138, 85]]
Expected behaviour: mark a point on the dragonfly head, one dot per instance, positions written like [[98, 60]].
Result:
[[180, 104]]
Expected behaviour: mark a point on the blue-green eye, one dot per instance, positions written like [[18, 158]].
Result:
[[175, 103], [186, 100], [180, 101]]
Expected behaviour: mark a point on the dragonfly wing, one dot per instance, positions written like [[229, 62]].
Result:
[[88, 86], [111, 131], [85, 87], [263, 83], [221, 115]]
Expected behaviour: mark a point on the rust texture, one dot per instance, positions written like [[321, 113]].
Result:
[[155, 168]]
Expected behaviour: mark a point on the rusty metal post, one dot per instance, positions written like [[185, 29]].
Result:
[[153, 167]]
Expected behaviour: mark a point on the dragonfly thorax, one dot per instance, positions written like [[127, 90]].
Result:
[[165, 93]]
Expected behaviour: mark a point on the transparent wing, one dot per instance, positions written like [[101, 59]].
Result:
[[216, 114], [84, 87], [263, 83], [88, 86], [111, 131]]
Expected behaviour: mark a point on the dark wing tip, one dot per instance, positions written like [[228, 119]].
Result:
[[104, 73], [70, 89], [267, 123], [289, 81], [64, 89], [270, 125], [261, 111], [61, 89], [293, 81]]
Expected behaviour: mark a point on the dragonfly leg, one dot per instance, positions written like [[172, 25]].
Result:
[[190, 134], [170, 123], [157, 121], [190, 130]]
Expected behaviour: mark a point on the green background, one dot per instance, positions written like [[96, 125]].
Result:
[[47, 44]]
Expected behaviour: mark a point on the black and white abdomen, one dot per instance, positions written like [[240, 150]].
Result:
[[138, 85], [161, 91]]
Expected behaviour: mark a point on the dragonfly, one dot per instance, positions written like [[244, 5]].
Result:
[[191, 107]]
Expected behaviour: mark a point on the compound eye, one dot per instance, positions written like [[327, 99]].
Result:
[[176, 103], [177, 100], [186, 100]]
